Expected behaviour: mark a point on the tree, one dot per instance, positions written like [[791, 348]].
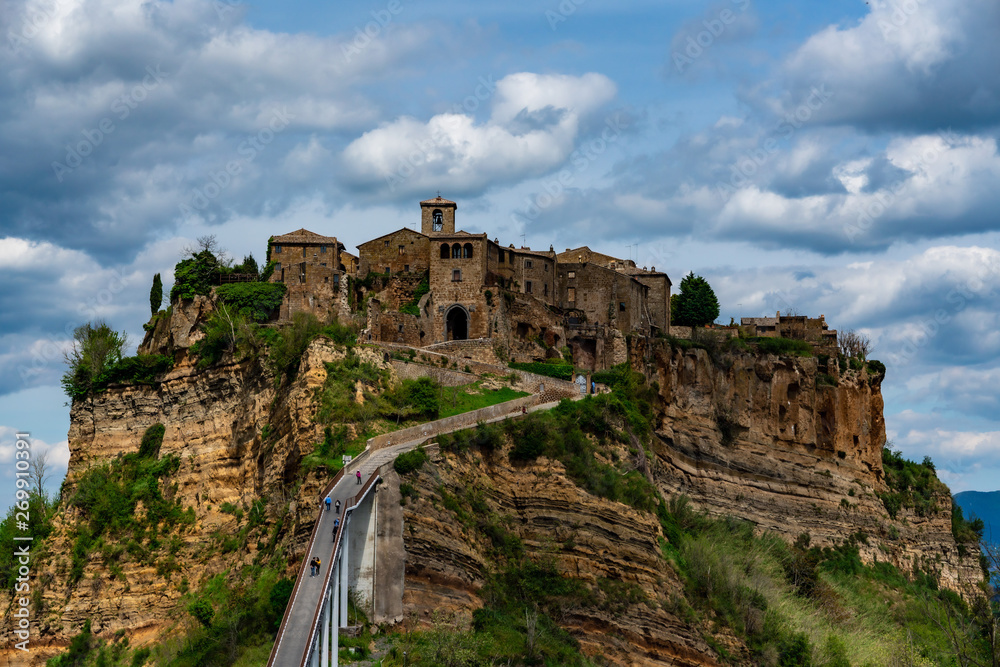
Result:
[[156, 295], [696, 304], [96, 347], [853, 344], [38, 471]]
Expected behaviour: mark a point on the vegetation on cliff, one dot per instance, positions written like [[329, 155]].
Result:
[[95, 362]]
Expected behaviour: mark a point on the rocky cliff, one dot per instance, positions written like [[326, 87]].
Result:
[[794, 448], [239, 440], [780, 441]]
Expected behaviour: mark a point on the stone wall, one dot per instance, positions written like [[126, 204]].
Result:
[[448, 424], [313, 286], [394, 327], [537, 276], [443, 376], [657, 299], [402, 251], [604, 296], [479, 349], [462, 290]]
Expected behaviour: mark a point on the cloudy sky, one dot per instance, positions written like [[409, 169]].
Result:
[[839, 158]]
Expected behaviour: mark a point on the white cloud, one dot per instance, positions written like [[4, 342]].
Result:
[[534, 124]]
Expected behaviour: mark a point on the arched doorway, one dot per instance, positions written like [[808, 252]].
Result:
[[457, 324]]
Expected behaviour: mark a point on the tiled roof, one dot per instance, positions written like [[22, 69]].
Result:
[[401, 229], [303, 236], [438, 200]]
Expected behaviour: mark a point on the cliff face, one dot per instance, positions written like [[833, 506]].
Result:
[[590, 539], [770, 440], [764, 438], [215, 420]]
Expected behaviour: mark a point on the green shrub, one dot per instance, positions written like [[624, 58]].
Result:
[[560, 372], [787, 347], [412, 306], [151, 441], [255, 301], [195, 275], [96, 347], [410, 461], [290, 344]]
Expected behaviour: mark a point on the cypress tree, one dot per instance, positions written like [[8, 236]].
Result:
[[156, 295]]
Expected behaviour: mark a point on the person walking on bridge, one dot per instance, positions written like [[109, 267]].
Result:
[[337, 505], [336, 524], [328, 501], [358, 473]]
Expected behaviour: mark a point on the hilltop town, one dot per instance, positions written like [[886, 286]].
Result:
[[462, 293]]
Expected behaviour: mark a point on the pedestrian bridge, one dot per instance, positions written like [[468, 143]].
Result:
[[365, 557]]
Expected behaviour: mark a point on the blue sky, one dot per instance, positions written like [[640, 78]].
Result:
[[832, 158]]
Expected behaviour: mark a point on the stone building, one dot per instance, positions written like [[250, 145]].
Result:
[[534, 300], [811, 329], [402, 251], [657, 296], [310, 266], [603, 297]]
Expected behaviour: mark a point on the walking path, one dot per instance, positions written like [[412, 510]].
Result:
[[296, 628]]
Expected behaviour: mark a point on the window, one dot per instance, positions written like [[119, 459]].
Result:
[[527, 263], [511, 258], [326, 279], [303, 252], [571, 295], [388, 270], [456, 251], [400, 250], [277, 249], [546, 268], [336, 280], [277, 266], [400, 328], [571, 274], [456, 276], [302, 272], [502, 257], [438, 218], [406, 268], [445, 251], [621, 306], [467, 251], [527, 286], [386, 243], [322, 264], [322, 249], [545, 290]]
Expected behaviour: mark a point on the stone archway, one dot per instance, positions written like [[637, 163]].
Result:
[[457, 323]]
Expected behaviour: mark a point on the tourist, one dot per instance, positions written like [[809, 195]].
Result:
[[358, 473], [337, 506], [328, 502]]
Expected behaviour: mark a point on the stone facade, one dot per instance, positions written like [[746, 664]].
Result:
[[603, 296], [457, 280], [402, 251], [310, 266], [800, 327]]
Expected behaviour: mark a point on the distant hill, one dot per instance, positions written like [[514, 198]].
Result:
[[985, 505]]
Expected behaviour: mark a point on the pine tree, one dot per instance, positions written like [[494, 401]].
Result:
[[156, 295], [696, 305]]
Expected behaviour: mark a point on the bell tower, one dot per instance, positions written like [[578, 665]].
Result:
[[437, 216]]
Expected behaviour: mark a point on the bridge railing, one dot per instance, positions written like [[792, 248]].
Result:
[[305, 559], [338, 539]]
